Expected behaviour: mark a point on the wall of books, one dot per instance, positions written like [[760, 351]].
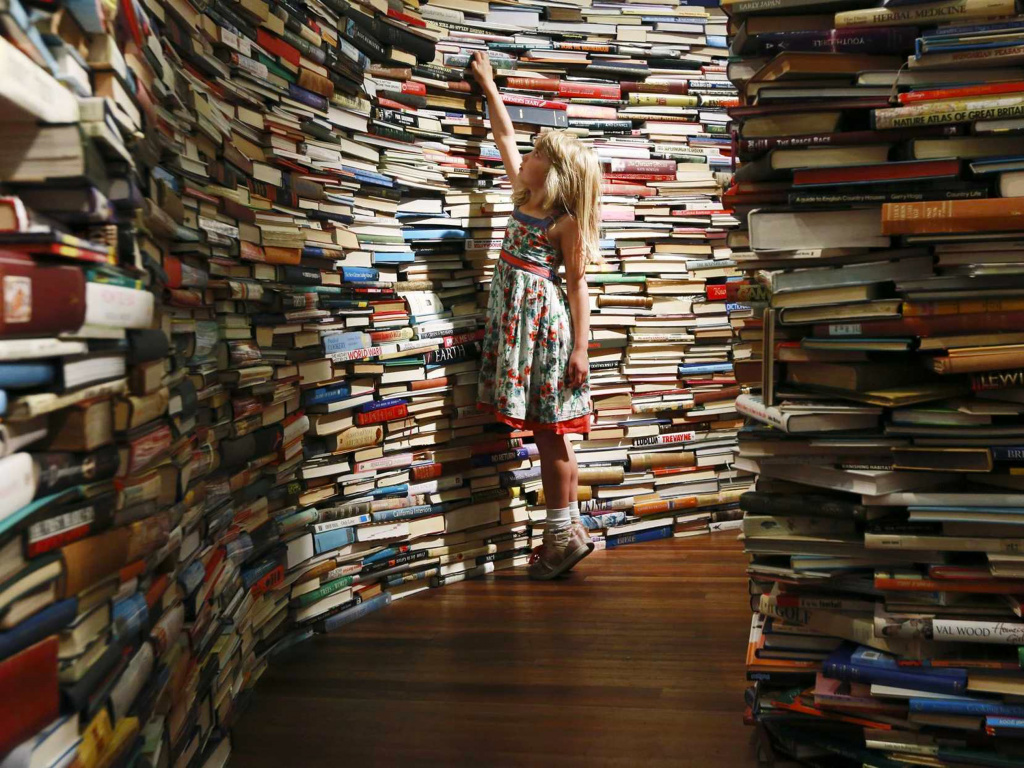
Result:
[[245, 247], [880, 199]]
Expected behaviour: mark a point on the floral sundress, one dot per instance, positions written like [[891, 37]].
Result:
[[529, 338]]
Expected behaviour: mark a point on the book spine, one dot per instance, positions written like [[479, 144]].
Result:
[[943, 112], [589, 91], [347, 522], [380, 415], [925, 13], [963, 707], [971, 56], [949, 216], [854, 196], [326, 590], [357, 612], [760, 145], [663, 100], [651, 534], [852, 40], [649, 86], [754, 408], [534, 84], [942, 94], [893, 677], [964, 631]]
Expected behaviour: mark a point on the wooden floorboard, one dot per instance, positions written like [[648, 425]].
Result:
[[635, 659]]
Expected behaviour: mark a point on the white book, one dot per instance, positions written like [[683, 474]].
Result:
[[117, 306], [17, 483], [30, 349]]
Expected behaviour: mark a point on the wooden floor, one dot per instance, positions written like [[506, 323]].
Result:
[[635, 659]]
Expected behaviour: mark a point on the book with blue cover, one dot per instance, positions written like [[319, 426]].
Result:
[[357, 612], [651, 534], [328, 540], [867, 665]]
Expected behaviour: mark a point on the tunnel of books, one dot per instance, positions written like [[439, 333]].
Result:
[[245, 248]]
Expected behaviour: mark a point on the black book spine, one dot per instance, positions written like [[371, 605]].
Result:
[[363, 40], [409, 99], [391, 132], [810, 505]]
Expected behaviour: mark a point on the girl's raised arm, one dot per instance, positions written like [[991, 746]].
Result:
[[501, 123]]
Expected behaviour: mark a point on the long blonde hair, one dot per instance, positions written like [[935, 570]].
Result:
[[573, 184]]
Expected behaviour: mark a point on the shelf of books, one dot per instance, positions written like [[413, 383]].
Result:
[[245, 249], [879, 195]]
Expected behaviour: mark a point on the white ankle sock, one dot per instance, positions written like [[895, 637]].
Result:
[[574, 511], [558, 519]]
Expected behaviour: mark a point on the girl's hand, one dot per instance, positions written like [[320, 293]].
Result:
[[482, 70], [579, 367]]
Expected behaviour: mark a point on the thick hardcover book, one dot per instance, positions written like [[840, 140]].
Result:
[[802, 505], [899, 192], [943, 325], [37, 299], [951, 216], [868, 666], [926, 13], [29, 678], [850, 40], [756, 146], [928, 113], [910, 170]]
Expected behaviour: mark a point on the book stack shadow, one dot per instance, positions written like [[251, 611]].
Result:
[[245, 250], [878, 196]]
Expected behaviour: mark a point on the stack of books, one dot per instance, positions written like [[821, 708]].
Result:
[[879, 150], [245, 252]]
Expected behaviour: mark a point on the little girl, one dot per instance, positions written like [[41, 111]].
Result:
[[534, 370]]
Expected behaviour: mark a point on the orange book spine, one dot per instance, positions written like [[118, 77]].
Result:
[[665, 505], [963, 307], [947, 216]]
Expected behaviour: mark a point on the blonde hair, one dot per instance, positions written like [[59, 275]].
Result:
[[573, 184]]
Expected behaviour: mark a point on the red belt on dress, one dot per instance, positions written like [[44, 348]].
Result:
[[528, 266]]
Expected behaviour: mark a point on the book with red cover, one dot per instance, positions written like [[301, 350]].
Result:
[[612, 187], [399, 411], [533, 84], [640, 177], [910, 170], [28, 690], [738, 292], [519, 100], [406, 18], [629, 165], [278, 47], [39, 299], [940, 325], [590, 91], [680, 88], [964, 92]]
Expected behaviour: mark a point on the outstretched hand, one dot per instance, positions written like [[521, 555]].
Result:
[[481, 69]]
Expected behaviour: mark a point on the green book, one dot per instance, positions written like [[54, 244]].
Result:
[[325, 590]]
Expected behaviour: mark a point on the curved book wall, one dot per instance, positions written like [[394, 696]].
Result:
[[245, 250]]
